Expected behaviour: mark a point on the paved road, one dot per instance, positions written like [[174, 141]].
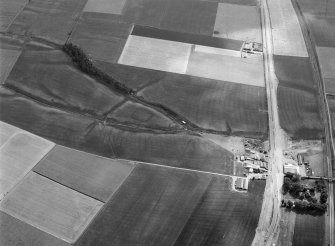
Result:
[[267, 231]]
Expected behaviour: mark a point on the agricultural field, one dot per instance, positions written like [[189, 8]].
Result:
[[223, 106], [10, 50], [50, 207], [145, 105], [51, 20], [297, 93], [309, 230], [92, 175], [15, 232], [287, 35], [20, 152], [238, 22], [8, 12], [189, 209]]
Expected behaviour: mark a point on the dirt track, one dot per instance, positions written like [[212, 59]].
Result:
[[268, 226]]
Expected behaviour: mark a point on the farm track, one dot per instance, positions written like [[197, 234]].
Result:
[[311, 44]]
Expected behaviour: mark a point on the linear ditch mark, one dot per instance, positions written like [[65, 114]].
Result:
[[110, 123]]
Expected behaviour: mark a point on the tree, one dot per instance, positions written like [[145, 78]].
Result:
[[289, 204], [323, 196]]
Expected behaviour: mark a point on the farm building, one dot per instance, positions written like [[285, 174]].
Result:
[[241, 184], [290, 168]]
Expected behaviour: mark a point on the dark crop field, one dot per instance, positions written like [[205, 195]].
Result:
[[212, 104], [49, 75], [162, 206], [92, 175], [297, 92], [14, 232], [309, 230], [87, 134], [138, 114], [52, 20], [100, 36]]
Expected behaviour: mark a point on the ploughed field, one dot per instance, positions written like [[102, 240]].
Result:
[[166, 183]]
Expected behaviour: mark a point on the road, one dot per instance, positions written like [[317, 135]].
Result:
[[310, 45], [267, 230]]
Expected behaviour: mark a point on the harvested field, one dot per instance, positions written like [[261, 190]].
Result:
[[162, 206], [92, 175], [6, 131], [100, 36], [299, 113], [201, 40], [227, 68], [21, 152], [8, 11], [50, 76], [218, 105], [148, 53], [105, 6], [322, 27], [217, 51], [287, 35], [238, 22], [135, 113], [83, 133], [326, 56], [15, 232], [51, 19], [309, 230], [50, 207]]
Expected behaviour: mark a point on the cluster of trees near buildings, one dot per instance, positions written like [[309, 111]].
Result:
[[306, 201]]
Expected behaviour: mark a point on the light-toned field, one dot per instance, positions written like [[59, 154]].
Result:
[[7, 61], [247, 71], [89, 174], [326, 57], [19, 154], [105, 6], [287, 35], [50, 207], [8, 10], [6, 131], [238, 22], [218, 51], [156, 54]]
